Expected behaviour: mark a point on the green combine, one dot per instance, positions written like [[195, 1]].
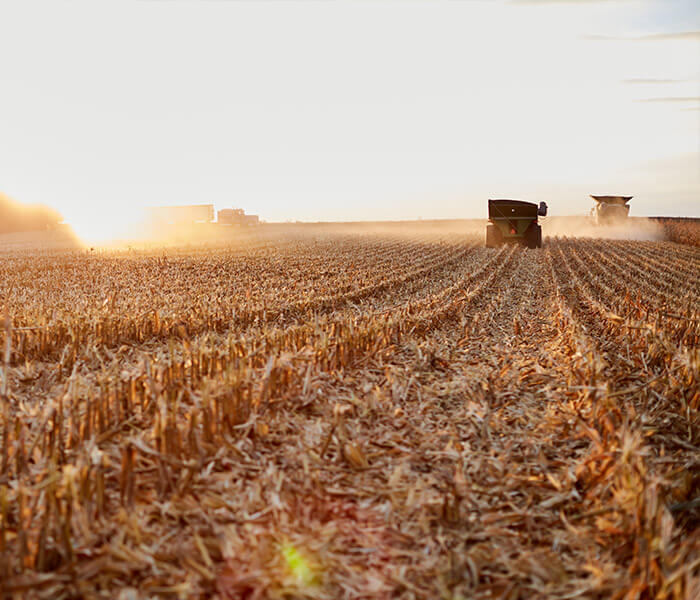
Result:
[[514, 221]]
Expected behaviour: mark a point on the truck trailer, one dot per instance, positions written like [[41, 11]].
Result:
[[514, 221]]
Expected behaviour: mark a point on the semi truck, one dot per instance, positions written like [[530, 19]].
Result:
[[199, 214], [236, 216]]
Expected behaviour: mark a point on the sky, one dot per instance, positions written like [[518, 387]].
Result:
[[348, 110]]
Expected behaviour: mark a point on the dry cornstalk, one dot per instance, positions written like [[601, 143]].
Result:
[[508, 423]]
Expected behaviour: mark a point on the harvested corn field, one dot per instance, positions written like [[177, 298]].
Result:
[[343, 414]]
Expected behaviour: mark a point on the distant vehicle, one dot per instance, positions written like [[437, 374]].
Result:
[[236, 216], [609, 210], [230, 216], [194, 214], [514, 221]]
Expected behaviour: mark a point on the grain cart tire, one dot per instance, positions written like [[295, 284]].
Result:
[[533, 236], [493, 236]]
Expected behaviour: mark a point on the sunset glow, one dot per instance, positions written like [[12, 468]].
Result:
[[371, 111]]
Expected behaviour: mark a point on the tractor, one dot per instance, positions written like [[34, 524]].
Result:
[[514, 221]]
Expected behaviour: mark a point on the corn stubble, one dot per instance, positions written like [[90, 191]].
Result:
[[348, 414]]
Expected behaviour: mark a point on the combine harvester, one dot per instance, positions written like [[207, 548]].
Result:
[[610, 210], [514, 221]]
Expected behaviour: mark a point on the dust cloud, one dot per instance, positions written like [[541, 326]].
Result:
[[141, 235], [16, 217], [32, 226], [409, 228], [632, 228], [215, 234]]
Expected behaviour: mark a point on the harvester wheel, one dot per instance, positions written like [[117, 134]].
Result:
[[494, 237], [539, 236], [533, 236]]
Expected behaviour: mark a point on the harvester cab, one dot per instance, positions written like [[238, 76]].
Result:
[[514, 221]]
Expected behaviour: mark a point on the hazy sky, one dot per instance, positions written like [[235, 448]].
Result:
[[347, 110]]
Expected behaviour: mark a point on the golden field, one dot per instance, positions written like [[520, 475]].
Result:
[[338, 412]]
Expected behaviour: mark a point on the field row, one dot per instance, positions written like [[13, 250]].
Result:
[[355, 416]]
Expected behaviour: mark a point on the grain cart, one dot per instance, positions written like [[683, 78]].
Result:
[[514, 221], [609, 210]]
